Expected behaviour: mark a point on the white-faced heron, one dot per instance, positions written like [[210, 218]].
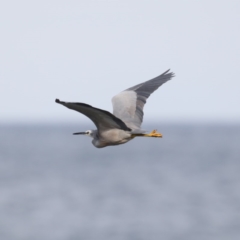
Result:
[[125, 122]]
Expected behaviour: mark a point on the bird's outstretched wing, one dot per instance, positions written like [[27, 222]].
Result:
[[103, 120], [128, 105]]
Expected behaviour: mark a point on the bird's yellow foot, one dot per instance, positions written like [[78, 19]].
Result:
[[154, 133]]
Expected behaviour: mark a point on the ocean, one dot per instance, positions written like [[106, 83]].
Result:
[[56, 186]]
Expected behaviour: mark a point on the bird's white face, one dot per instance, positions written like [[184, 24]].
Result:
[[88, 133]]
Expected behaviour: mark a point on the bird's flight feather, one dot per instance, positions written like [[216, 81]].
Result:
[[103, 120], [128, 105]]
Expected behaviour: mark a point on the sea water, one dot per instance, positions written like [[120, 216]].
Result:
[[185, 186]]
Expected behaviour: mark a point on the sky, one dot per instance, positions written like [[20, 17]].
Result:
[[88, 51]]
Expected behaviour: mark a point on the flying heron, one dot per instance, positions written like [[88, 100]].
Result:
[[125, 122]]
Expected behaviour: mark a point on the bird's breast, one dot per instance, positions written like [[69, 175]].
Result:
[[112, 137]]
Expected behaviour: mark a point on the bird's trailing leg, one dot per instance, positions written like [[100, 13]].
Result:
[[153, 133]]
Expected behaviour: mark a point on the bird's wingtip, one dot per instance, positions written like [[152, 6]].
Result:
[[170, 73]]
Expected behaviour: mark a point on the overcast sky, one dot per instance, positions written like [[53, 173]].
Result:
[[88, 51]]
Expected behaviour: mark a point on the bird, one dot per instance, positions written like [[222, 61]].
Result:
[[124, 124]]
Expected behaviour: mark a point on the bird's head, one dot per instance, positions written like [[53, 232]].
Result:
[[87, 133]]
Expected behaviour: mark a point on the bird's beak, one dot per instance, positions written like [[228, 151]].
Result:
[[83, 133]]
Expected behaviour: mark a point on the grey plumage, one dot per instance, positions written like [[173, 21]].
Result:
[[132, 112], [125, 122]]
